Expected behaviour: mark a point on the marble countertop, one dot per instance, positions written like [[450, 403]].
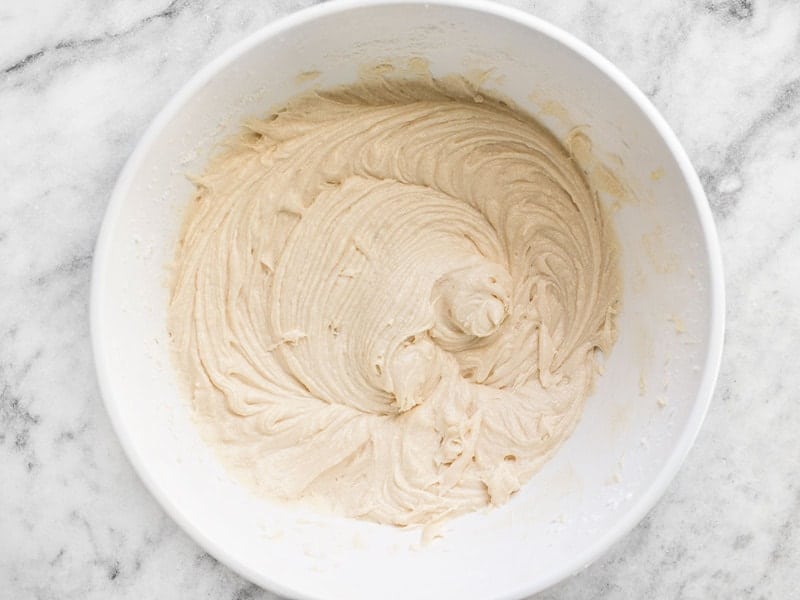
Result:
[[81, 79]]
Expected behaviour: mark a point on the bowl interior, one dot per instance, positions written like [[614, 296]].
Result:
[[638, 424]]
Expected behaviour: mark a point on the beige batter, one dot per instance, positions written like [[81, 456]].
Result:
[[389, 299]]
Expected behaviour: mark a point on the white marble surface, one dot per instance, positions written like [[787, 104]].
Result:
[[80, 80]]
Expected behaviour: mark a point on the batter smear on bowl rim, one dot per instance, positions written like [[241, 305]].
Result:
[[389, 300]]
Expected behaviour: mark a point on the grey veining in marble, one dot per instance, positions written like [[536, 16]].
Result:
[[80, 80]]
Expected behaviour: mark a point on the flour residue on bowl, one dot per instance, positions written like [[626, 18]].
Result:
[[390, 298], [600, 175]]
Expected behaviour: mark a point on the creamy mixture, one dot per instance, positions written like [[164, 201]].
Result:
[[389, 298]]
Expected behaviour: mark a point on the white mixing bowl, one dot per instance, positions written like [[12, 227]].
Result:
[[637, 426]]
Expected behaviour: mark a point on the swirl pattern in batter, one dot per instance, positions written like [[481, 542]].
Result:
[[389, 299]]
